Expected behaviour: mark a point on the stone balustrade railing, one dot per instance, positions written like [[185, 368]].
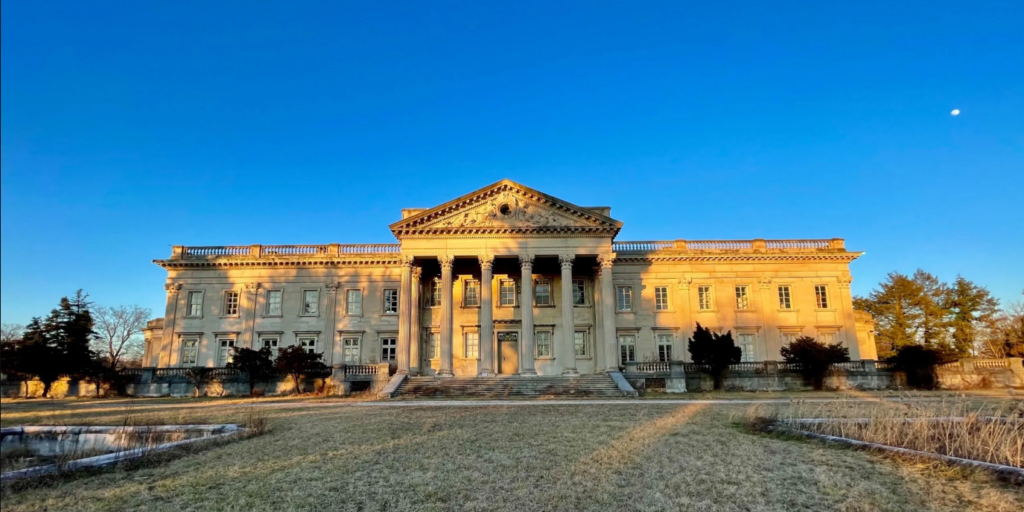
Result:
[[756, 245], [280, 251]]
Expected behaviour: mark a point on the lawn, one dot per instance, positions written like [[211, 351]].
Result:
[[638, 456]]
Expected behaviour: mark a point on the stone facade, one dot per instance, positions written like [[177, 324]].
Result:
[[446, 300]]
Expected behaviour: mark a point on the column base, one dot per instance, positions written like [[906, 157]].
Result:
[[414, 371], [486, 373], [570, 372], [528, 373], [445, 375]]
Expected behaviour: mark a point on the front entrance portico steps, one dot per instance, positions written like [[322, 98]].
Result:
[[511, 386]]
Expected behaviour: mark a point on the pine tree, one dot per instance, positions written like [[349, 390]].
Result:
[[971, 306], [896, 307], [934, 319]]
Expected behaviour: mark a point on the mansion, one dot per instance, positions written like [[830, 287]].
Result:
[[504, 280]]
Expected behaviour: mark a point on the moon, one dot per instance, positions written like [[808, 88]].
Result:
[[955, 112]]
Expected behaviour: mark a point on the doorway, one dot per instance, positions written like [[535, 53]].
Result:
[[508, 350]]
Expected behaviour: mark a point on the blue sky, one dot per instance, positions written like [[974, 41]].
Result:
[[128, 127]]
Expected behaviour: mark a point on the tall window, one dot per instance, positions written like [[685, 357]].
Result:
[[742, 298], [664, 347], [542, 293], [579, 342], [195, 303], [435, 293], [789, 337], [507, 293], [270, 342], [705, 302], [785, 299], [433, 345], [189, 351], [661, 298], [273, 303], [308, 344], [827, 338], [230, 303], [579, 292], [310, 302], [746, 343], [226, 354], [388, 349], [821, 296], [350, 350], [624, 298], [543, 343], [627, 348], [472, 345], [471, 294], [354, 302], [390, 301]]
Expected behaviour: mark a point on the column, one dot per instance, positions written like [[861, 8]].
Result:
[[611, 351], [486, 316], [446, 316], [769, 314], [249, 335], [595, 301], [568, 324], [404, 316], [526, 348], [169, 359], [415, 338]]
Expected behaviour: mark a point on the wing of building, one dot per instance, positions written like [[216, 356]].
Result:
[[504, 280]]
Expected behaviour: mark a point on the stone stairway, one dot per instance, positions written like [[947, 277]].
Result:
[[511, 386]]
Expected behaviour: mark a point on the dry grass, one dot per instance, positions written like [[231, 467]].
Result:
[[987, 432], [543, 457]]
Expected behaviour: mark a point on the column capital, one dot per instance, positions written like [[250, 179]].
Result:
[[172, 288], [333, 287], [684, 283], [417, 272], [764, 282], [254, 287], [526, 260], [565, 260], [486, 261], [845, 280], [407, 261], [606, 260], [446, 261]]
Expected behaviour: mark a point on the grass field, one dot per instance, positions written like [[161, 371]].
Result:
[[633, 456]]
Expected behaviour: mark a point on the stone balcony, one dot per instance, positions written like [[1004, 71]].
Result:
[[755, 246]]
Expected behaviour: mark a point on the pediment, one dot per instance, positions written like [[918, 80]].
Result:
[[506, 207]]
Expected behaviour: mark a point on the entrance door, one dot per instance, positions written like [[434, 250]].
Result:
[[508, 347]]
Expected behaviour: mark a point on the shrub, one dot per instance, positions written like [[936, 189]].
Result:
[[919, 363], [814, 358], [715, 350], [199, 376], [256, 364], [296, 362]]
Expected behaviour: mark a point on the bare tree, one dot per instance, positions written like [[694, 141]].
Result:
[[11, 332], [119, 333]]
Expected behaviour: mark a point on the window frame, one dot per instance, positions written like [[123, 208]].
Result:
[[577, 334], [388, 343], [501, 293], [664, 356], [188, 303], [436, 296], [749, 354], [275, 338], [350, 344], [349, 309], [834, 334], [302, 305], [280, 302], [467, 285], [705, 297], [300, 339], [226, 303], [745, 297], [194, 350], [550, 293], [384, 308], [433, 345], [225, 356], [583, 292], [620, 298], [466, 352], [623, 352], [662, 303], [549, 334], [822, 301], [785, 294]]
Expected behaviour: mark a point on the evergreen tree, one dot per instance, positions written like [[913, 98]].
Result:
[[257, 365], [896, 307], [296, 362], [934, 320], [715, 350], [814, 358], [971, 306]]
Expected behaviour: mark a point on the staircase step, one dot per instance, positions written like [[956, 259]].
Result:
[[597, 386]]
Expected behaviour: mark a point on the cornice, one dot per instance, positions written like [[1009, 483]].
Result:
[[652, 258], [315, 262]]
